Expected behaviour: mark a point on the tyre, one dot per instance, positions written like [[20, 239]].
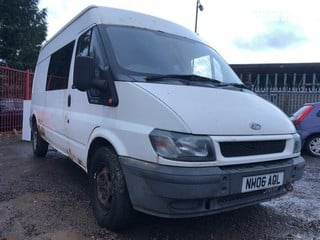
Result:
[[39, 145], [313, 145], [110, 199]]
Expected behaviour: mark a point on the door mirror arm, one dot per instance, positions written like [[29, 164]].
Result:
[[98, 84]]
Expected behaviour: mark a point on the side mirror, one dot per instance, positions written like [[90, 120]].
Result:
[[83, 72]]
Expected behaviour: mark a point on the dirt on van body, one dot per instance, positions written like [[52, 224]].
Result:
[[48, 199]]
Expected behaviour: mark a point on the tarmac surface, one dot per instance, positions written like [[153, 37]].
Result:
[[47, 199]]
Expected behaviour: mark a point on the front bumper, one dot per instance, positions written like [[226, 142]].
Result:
[[175, 192]]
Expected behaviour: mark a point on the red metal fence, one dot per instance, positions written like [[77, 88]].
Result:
[[15, 86]]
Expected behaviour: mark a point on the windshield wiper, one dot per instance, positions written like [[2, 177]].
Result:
[[189, 77], [186, 79], [237, 85]]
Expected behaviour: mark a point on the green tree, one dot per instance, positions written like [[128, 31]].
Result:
[[23, 28]]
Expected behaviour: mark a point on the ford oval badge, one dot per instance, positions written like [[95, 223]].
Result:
[[255, 126]]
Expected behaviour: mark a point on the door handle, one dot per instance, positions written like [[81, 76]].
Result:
[[69, 100]]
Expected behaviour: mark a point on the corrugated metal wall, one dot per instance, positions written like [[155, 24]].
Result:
[[290, 101]]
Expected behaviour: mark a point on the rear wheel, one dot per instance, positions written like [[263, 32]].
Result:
[[39, 145], [109, 195], [313, 145]]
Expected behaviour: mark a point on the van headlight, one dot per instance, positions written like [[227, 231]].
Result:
[[297, 143], [182, 147]]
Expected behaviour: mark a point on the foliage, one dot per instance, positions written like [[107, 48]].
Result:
[[23, 28]]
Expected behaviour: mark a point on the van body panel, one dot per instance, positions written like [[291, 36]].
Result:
[[130, 138], [144, 108], [54, 120], [137, 114], [82, 119], [216, 111], [41, 74]]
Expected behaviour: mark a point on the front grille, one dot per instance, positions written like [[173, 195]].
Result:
[[239, 149]]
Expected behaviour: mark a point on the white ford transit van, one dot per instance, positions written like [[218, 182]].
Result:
[[157, 119]]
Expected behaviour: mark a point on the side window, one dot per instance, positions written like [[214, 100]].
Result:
[[89, 44], [217, 70], [202, 66], [59, 68], [207, 66], [84, 44], [96, 51]]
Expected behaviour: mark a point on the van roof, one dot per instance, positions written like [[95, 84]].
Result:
[[113, 16]]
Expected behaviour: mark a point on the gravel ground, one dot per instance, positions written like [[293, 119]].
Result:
[[48, 199]]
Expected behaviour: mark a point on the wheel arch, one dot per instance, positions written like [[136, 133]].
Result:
[[95, 144], [32, 120], [104, 137]]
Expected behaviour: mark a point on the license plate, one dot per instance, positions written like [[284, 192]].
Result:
[[258, 182]]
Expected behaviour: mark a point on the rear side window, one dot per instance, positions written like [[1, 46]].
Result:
[[59, 68]]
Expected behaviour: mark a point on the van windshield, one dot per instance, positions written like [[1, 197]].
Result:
[[153, 53]]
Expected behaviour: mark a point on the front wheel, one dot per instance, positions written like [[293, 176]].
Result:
[[313, 145], [110, 199], [39, 145]]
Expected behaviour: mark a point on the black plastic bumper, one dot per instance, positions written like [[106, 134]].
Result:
[[176, 192]]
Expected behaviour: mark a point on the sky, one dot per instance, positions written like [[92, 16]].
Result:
[[242, 31]]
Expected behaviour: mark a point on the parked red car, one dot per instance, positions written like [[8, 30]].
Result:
[[307, 123]]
